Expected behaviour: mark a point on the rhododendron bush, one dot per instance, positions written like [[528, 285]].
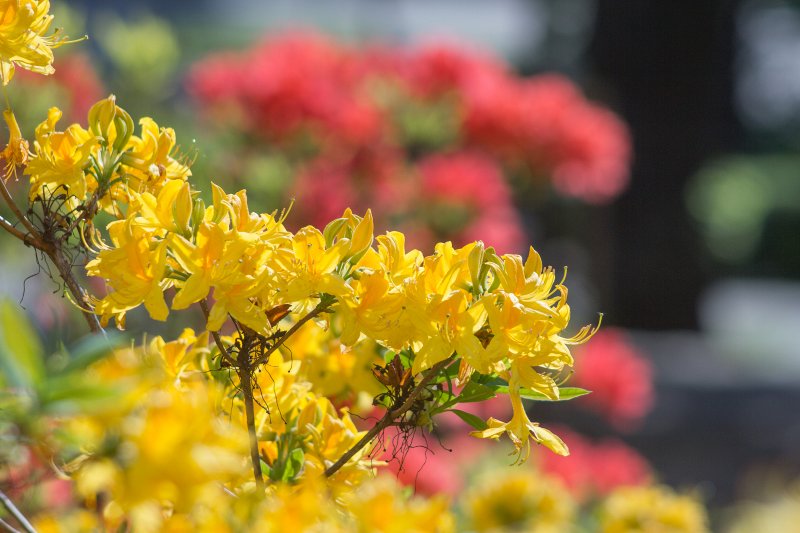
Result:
[[434, 139], [323, 353]]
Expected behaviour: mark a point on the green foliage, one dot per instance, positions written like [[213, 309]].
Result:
[[37, 386]]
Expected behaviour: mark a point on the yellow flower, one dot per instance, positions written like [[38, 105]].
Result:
[[304, 507], [172, 455], [23, 42], [380, 506], [59, 158], [328, 436], [149, 159], [335, 370], [180, 357], [313, 270], [400, 265], [652, 510], [520, 429], [135, 270], [16, 152], [519, 500], [218, 259], [171, 210]]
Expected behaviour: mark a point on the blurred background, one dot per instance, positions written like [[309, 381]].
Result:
[[653, 147]]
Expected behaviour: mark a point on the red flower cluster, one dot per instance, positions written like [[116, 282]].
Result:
[[360, 126], [618, 376], [542, 122], [595, 469], [464, 197], [295, 84]]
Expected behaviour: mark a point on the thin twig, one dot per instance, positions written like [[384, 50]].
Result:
[[88, 212], [8, 527], [321, 307], [245, 379], [15, 209], [215, 334], [390, 416], [55, 254], [28, 239], [64, 267], [18, 516]]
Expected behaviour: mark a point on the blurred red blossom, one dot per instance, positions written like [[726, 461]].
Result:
[[596, 468], [544, 122], [430, 465], [466, 198], [619, 377], [292, 84], [431, 136]]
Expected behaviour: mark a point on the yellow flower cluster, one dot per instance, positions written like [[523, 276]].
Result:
[[333, 369], [652, 509], [354, 301], [23, 24], [380, 506], [168, 450], [522, 500], [162, 451], [501, 315], [530, 500], [105, 163], [319, 316]]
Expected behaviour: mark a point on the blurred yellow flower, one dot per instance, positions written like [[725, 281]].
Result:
[[655, 509], [521, 500]]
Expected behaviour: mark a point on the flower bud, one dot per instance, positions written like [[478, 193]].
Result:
[[101, 116], [184, 209], [198, 213], [111, 123]]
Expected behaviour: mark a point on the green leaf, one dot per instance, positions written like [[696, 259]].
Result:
[[448, 373], [469, 418], [91, 349], [564, 393], [68, 395], [293, 465], [21, 362], [475, 392], [493, 382]]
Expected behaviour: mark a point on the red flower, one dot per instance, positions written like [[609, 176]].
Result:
[[359, 180], [439, 69], [546, 124], [465, 197], [618, 376], [595, 469], [290, 85]]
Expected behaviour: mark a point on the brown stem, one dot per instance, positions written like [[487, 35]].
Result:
[[5, 526], [14, 209], [54, 252], [390, 416], [245, 378], [318, 310], [64, 267], [18, 516], [215, 334], [88, 212], [27, 238]]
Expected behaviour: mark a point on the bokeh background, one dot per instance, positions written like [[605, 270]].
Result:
[[694, 260]]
